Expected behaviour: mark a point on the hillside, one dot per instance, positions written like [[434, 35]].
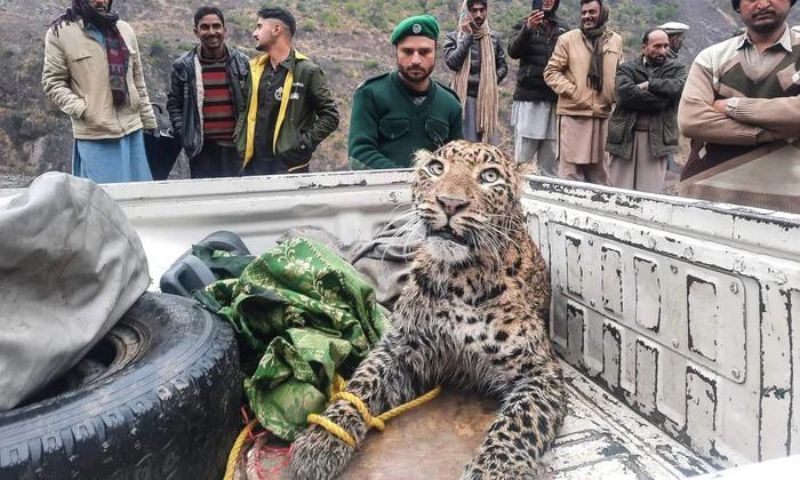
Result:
[[347, 38]]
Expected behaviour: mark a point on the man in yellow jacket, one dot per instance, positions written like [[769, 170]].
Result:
[[582, 71], [93, 73], [290, 108]]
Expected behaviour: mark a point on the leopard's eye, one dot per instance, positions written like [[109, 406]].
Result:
[[490, 175], [435, 168]]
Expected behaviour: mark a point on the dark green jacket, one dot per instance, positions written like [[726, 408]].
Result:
[[386, 128], [660, 101], [308, 113]]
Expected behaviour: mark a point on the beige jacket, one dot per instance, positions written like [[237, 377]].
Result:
[[567, 74], [75, 78]]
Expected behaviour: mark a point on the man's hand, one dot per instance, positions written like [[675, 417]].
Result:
[[644, 86], [721, 106], [535, 19], [466, 26]]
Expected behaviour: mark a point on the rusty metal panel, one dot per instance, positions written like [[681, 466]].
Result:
[[559, 328], [670, 397], [703, 306], [776, 375], [557, 260], [612, 356], [646, 376], [612, 286], [696, 303], [574, 256], [701, 410], [793, 304], [647, 285], [576, 330], [592, 357]]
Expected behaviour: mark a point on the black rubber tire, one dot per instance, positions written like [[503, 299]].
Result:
[[170, 413]]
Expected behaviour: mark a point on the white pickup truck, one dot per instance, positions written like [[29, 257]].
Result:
[[678, 321]]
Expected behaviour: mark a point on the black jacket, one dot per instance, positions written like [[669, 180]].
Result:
[[455, 53], [659, 102], [533, 48], [182, 101]]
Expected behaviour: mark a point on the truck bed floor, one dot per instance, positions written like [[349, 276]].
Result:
[[601, 439]]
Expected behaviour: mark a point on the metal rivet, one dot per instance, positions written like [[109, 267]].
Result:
[[736, 374], [674, 269], [592, 302], [591, 241], [561, 286], [734, 288], [676, 343], [558, 232]]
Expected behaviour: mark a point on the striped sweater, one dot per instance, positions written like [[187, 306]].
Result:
[[766, 108], [219, 118]]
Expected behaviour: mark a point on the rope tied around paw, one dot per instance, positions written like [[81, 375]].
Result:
[[379, 422]]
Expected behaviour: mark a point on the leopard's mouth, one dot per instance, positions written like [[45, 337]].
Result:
[[447, 233]]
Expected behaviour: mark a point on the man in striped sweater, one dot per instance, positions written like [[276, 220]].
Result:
[[741, 108], [205, 98]]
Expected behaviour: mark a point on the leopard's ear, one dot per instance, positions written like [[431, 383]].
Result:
[[422, 157]]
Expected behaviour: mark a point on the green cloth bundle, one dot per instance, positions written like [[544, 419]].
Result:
[[307, 314]]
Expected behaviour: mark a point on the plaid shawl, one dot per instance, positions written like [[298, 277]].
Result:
[[116, 50]]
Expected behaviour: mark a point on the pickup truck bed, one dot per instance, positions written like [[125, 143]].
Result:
[[675, 318]]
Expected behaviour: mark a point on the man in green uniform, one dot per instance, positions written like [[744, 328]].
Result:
[[398, 113]]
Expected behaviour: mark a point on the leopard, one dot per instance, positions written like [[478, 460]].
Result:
[[472, 316]]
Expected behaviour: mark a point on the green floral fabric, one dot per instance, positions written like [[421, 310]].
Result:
[[306, 314]]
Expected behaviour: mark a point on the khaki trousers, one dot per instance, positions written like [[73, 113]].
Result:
[[581, 149]]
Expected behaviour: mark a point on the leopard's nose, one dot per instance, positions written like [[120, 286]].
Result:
[[451, 204]]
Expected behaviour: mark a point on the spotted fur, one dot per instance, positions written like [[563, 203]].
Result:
[[473, 316]]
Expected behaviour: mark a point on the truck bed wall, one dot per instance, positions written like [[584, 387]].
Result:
[[685, 311]]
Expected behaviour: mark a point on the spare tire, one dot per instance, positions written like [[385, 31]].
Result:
[[159, 399]]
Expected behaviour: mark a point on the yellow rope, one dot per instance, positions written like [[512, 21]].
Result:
[[233, 458], [378, 422], [332, 428], [410, 405], [337, 385]]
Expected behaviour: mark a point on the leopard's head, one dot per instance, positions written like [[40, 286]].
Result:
[[467, 200]]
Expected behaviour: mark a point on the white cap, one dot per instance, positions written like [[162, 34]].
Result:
[[674, 27]]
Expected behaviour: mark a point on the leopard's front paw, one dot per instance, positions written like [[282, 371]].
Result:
[[487, 466], [318, 455]]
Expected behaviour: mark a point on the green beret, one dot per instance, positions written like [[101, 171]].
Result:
[[422, 25]]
